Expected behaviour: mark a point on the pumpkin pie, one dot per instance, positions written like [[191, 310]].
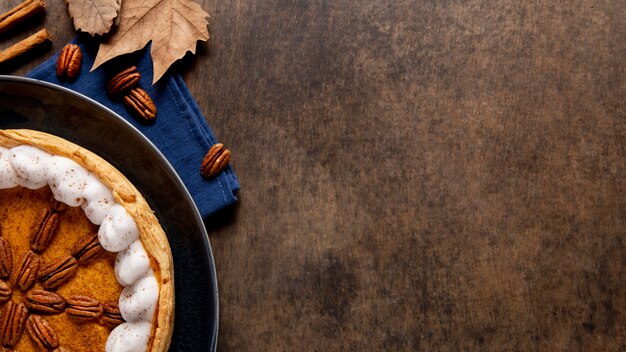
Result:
[[84, 263]]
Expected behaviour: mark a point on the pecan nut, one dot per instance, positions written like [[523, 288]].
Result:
[[12, 323], [44, 230], [42, 334], [26, 275], [6, 258], [215, 161], [57, 206], [123, 81], [5, 291], [69, 62], [83, 308], [57, 273], [140, 104], [112, 316], [42, 301], [87, 249]]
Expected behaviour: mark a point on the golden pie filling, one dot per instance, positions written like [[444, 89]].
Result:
[[84, 263], [20, 210]]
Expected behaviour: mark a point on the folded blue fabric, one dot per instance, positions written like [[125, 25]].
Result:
[[180, 132]]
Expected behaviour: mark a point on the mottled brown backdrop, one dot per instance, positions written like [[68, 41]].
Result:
[[416, 175]]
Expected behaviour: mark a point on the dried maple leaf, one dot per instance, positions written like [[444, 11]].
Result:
[[173, 26], [93, 16]]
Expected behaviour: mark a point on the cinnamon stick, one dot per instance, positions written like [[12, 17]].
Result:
[[25, 45], [20, 13]]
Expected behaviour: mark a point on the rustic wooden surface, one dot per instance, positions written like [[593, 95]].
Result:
[[416, 175]]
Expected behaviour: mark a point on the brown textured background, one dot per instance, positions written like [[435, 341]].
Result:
[[417, 175]]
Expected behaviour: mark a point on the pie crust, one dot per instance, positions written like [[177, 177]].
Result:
[[151, 234]]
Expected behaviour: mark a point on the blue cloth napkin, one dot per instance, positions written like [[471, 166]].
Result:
[[180, 132]]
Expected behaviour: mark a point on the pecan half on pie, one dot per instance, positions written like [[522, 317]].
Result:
[[84, 263]]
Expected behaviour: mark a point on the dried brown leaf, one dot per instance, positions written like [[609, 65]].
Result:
[[93, 16], [173, 26]]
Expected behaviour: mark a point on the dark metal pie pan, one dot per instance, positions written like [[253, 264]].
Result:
[[31, 104]]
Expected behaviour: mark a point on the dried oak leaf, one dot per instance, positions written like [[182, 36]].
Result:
[[173, 26], [93, 16]]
